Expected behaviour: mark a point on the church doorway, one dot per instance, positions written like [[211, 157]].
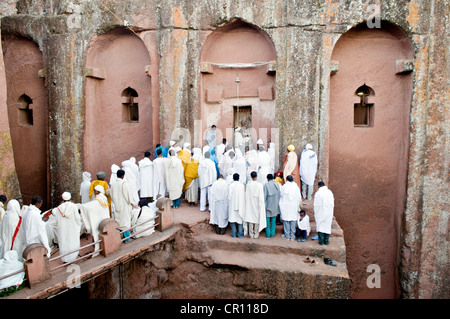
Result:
[[243, 124]]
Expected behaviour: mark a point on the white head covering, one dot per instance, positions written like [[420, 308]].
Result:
[[172, 143], [66, 196], [308, 147], [86, 177], [100, 188], [13, 206], [260, 142], [186, 145]]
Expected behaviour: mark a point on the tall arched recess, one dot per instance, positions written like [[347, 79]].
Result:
[[27, 102], [238, 81], [370, 101], [118, 100]]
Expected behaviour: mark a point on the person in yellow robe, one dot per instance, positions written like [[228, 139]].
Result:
[[101, 181], [190, 187]]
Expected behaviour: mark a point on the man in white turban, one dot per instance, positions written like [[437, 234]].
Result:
[[68, 227], [308, 170]]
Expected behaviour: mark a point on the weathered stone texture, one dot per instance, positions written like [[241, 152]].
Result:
[[304, 34]]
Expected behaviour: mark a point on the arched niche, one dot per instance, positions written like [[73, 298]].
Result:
[[116, 84], [27, 102], [238, 81], [368, 163]]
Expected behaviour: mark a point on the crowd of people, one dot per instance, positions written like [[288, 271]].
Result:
[[237, 185]]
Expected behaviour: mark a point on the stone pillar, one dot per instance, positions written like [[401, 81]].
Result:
[[164, 213], [37, 265], [109, 236]]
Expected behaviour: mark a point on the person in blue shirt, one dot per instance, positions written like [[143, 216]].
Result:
[[164, 150], [214, 159]]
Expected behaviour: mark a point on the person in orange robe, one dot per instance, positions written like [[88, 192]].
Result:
[[291, 164]]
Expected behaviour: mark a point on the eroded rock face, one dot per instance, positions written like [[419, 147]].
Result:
[[195, 265], [304, 36]]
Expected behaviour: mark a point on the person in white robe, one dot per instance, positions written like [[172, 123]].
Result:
[[226, 163], [171, 146], [290, 200], [238, 139], [68, 227], [220, 149], [236, 207], [218, 202], [303, 226], [142, 218], [11, 229], [252, 163], [93, 212], [291, 165], [159, 180], [122, 197], [308, 170], [240, 166], [174, 173], [34, 226], [255, 210], [272, 154], [146, 176], [207, 175], [132, 180], [84, 187], [323, 212], [114, 169], [135, 168], [211, 136], [11, 263], [263, 164]]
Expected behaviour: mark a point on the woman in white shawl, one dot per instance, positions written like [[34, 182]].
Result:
[[114, 169], [11, 230], [9, 264], [290, 201], [174, 172], [240, 166], [84, 187], [132, 180], [142, 218]]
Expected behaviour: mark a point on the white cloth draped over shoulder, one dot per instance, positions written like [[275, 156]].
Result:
[[207, 173], [132, 179], [264, 163], [308, 165], [159, 180], [236, 202], [174, 172], [323, 209], [92, 213], [34, 228], [146, 176], [255, 210], [143, 218], [123, 203], [84, 187], [135, 169], [290, 200], [68, 226], [11, 263], [240, 166], [218, 201], [11, 223], [114, 169]]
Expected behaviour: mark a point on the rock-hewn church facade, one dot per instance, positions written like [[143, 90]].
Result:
[[87, 84]]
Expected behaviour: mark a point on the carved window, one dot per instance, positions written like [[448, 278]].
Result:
[[130, 106], [25, 116], [363, 111]]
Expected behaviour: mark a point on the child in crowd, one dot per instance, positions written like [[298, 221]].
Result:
[[303, 226]]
